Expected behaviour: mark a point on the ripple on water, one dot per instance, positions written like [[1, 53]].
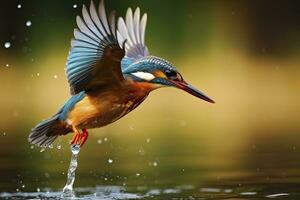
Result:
[[143, 192], [248, 193], [99, 192], [277, 195]]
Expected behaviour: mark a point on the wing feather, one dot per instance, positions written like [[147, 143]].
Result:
[[95, 57], [136, 21], [103, 17], [96, 19], [143, 28], [129, 24], [84, 29], [90, 24], [112, 22], [83, 37], [122, 29], [133, 32]]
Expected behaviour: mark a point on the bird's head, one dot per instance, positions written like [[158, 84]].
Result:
[[156, 72]]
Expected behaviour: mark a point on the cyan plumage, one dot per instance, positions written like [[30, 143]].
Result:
[[110, 72]]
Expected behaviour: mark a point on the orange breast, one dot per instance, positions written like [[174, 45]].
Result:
[[102, 108], [83, 111]]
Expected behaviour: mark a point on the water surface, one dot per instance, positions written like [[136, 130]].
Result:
[[118, 172]]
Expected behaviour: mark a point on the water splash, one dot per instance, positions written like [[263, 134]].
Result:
[[110, 161], [68, 189], [28, 23], [7, 45]]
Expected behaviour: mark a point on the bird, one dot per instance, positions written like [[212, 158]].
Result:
[[110, 72]]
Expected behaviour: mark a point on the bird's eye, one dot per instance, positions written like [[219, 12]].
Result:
[[172, 75]]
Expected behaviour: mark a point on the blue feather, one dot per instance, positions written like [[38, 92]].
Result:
[[92, 37], [126, 62], [69, 105], [146, 64]]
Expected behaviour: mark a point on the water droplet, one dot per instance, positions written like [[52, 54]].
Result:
[[105, 139], [38, 189], [105, 179], [17, 190], [7, 65], [228, 190], [277, 195], [141, 151], [154, 164], [28, 23], [32, 147], [210, 190], [4, 134], [7, 45], [50, 146], [37, 74], [55, 76], [137, 174], [23, 186], [99, 141], [110, 161], [58, 146], [42, 150], [148, 140], [248, 193], [75, 6], [75, 149], [47, 175], [19, 6]]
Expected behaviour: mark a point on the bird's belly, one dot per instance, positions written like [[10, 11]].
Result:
[[101, 118], [93, 113]]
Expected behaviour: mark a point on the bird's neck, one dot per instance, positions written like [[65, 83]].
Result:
[[141, 87]]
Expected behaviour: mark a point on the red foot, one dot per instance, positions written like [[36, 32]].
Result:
[[75, 138], [80, 138], [84, 137]]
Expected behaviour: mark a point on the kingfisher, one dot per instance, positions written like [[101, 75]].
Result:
[[110, 72]]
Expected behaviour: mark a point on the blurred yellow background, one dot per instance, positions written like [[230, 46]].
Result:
[[243, 54]]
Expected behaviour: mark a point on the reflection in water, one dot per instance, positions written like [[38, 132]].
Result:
[[178, 192], [99, 192], [205, 175], [277, 195]]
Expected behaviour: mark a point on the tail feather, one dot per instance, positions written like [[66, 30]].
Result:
[[46, 132]]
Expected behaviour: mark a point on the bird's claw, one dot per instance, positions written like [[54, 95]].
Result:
[[80, 138]]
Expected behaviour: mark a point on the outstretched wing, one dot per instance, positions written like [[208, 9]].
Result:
[[132, 31], [95, 55]]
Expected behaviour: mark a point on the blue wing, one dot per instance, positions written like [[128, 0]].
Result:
[[95, 55], [69, 105], [133, 32]]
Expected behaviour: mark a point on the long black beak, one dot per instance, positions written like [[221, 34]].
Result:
[[192, 90]]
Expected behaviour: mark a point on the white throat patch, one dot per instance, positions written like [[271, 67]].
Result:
[[144, 75]]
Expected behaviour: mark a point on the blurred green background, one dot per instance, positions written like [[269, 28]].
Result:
[[243, 54]]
